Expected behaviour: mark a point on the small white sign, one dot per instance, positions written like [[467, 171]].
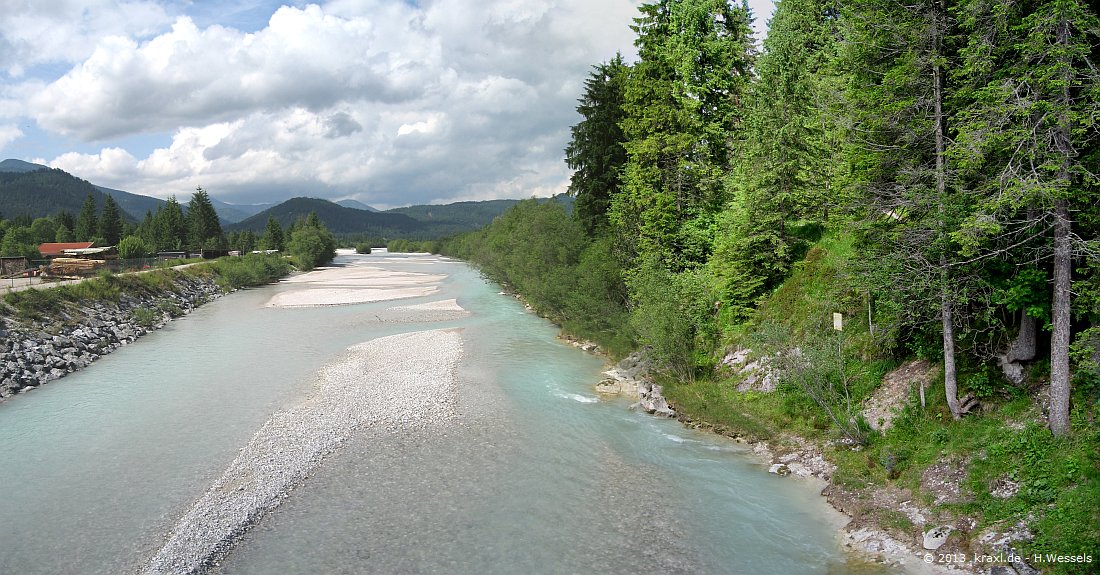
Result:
[[838, 321]]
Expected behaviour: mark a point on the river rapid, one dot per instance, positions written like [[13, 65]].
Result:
[[532, 472]]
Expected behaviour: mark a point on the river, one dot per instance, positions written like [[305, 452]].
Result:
[[536, 475]]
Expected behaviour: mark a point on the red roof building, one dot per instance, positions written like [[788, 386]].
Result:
[[55, 249]]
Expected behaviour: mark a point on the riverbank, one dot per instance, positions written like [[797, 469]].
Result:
[[49, 332], [50, 345], [786, 455]]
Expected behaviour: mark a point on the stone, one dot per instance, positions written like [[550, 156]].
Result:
[[780, 469], [608, 387], [935, 538], [1003, 487]]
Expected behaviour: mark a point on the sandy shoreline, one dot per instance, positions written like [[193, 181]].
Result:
[[353, 285]]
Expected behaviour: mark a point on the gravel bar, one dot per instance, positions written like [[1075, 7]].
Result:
[[391, 383]]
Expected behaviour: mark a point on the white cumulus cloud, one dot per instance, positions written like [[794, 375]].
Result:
[[387, 102]]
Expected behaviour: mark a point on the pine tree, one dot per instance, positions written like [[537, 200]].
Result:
[[86, 223], [596, 152], [110, 222], [1033, 78], [682, 110], [203, 228]]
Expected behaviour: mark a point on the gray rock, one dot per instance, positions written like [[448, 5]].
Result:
[[935, 538], [780, 469]]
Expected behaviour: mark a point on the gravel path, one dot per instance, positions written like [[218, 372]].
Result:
[[391, 383]]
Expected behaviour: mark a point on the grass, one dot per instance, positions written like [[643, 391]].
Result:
[[230, 273], [1059, 478]]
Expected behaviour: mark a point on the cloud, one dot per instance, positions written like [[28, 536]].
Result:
[[9, 134], [387, 102], [34, 32]]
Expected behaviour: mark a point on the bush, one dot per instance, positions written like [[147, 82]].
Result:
[[132, 248], [363, 248], [311, 243], [249, 270], [674, 316]]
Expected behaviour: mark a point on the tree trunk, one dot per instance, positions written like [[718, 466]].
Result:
[[1060, 318], [950, 385]]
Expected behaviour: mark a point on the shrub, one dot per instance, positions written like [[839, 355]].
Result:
[[132, 248]]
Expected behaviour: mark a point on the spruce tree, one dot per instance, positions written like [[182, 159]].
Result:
[[86, 223], [682, 113], [273, 235], [1033, 78], [204, 229], [596, 152], [110, 222]]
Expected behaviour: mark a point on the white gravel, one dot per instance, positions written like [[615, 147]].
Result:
[[354, 284], [392, 383]]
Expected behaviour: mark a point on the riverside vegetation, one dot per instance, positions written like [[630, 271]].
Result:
[[48, 333], [928, 171]]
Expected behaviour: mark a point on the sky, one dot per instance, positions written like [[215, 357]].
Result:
[[389, 102]]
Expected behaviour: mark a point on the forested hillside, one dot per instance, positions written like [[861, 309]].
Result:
[[47, 193], [929, 170], [338, 218]]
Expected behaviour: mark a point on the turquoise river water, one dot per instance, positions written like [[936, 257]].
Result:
[[537, 475]]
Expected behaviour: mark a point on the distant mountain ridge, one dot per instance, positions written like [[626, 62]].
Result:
[[337, 218], [356, 204], [36, 190]]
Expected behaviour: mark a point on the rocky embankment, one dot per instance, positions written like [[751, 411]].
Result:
[[63, 340], [631, 378]]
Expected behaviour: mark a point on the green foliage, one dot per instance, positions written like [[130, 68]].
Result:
[[146, 317], [249, 270], [19, 241], [273, 236], [311, 244], [132, 247], [595, 153], [109, 225], [204, 231], [679, 106], [362, 248], [673, 316], [541, 252], [86, 224]]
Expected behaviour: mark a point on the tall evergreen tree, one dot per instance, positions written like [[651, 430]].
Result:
[[273, 235], [86, 223], [897, 54], [110, 222], [596, 152], [1033, 70], [203, 228], [786, 167], [170, 226], [682, 110]]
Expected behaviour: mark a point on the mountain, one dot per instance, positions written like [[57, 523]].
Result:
[[233, 213], [356, 204], [20, 166], [37, 191], [45, 192], [337, 218], [134, 204]]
